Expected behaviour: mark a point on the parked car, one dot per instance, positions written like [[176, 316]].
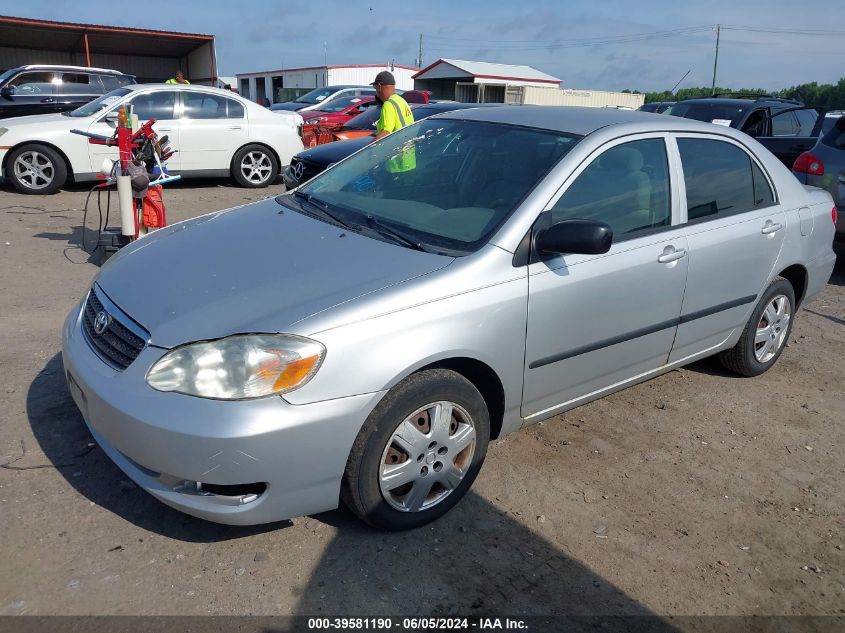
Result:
[[315, 160], [658, 107], [784, 126], [217, 133], [824, 166], [338, 111], [365, 337], [320, 96], [46, 89]]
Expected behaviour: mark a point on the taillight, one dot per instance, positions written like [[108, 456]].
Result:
[[806, 163], [834, 214]]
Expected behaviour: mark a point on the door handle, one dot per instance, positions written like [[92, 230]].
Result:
[[48, 100], [236, 127], [672, 255], [771, 227], [164, 129]]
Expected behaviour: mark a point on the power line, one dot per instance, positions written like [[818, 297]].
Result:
[[566, 43]]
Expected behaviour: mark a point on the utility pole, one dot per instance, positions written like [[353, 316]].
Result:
[[325, 55], [716, 60], [419, 59]]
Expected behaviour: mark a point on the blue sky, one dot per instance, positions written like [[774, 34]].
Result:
[[262, 35]]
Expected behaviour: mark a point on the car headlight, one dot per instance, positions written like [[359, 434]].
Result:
[[238, 367], [314, 121], [3, 130]]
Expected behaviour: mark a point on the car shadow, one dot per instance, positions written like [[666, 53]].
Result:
[[64, 439], [477, 560]]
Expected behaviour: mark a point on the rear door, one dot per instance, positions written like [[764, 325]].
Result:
[[77, 89], [792, 132], [734, 229], [212, 127], [30, 92], [596, 321]]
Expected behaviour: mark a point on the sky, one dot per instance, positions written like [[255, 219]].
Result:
[[559, 38]]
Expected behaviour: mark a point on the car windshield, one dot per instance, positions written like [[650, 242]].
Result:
[[6, 74], [724, 113], [443, 185], [95, 106], [336, 105], [316, 96]]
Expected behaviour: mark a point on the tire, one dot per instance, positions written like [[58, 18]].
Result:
[[254, 166], [446, 459], [759, 347], [36, 169]]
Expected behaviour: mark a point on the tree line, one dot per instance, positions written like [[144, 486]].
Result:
[[830, 96]]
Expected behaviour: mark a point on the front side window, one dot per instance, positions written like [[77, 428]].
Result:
[[446, 183], [155, 105], [34, 83], [627, 187], [719, 179]]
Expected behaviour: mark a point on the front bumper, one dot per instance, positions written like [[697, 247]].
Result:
[[168, 442], [290, 181]]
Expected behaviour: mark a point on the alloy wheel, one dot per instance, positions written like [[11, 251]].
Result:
[[34, 170], [772, 328], [427, 456], [256, 167]]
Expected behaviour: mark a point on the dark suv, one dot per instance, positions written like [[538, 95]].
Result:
[[785, 126], [46, 89]]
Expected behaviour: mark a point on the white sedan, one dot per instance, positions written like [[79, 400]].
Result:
[[217, 134]]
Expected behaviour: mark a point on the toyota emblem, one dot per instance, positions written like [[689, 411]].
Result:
[[297, 170], [101, 322]]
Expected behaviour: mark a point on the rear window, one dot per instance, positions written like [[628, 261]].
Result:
[[366, 120], [835, 137], [724, 113]]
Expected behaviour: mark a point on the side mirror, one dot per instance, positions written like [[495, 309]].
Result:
[[111, 116], [584, 237], [7, 91]]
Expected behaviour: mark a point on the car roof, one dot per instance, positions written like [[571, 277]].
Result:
[[582, 121]]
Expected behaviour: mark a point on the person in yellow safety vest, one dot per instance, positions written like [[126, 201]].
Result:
[[178, 79], [395, 114]]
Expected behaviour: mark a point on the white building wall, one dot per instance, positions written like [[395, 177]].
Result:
[[520, 82], [590, 98], [321, 76], [362, 76]]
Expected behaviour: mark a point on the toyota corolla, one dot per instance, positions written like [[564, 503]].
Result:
[[362, 339]]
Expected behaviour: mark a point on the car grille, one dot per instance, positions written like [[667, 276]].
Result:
[[120, 341], [310, 169]]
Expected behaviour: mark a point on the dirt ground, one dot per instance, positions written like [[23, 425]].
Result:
[[695, 493]]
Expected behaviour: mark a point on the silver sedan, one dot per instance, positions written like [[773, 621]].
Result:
[[363, 338]]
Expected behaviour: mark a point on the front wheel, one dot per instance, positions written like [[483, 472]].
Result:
[[254, 166], [418, 452], [766, 332], [36, 169]]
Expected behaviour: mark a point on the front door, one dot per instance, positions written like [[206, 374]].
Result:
[[596, 321], [212, 128], [160, 105], [31, 92], [735, 229]]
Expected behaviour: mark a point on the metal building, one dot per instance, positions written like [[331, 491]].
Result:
[[288, 83], [478, 82], [150, 55]]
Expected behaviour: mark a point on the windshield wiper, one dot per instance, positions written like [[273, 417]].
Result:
[[323, 208], [380, 227]]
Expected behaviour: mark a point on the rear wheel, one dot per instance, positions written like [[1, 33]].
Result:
[[36, 169], [419, 451], [766, 332], [254, 166]]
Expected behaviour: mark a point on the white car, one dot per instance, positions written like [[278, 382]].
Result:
[[216, 132]]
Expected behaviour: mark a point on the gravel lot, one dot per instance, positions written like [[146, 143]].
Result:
[[695, 493]]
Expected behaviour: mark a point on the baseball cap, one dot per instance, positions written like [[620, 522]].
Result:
[[385, 78]]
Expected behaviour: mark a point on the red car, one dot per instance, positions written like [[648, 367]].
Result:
[[332, 116]]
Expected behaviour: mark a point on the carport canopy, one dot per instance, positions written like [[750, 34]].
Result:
[[150, 55]]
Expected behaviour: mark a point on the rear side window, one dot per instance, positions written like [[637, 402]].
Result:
[[80, 84], [835, 137], [110, 82], [784, 124], [719, 179], [207, 106], [763, 194], [806, 121], [627, 187]]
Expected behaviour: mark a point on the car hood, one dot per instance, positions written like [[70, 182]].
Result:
[[257, 268], [23, 124], [329, 153]]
